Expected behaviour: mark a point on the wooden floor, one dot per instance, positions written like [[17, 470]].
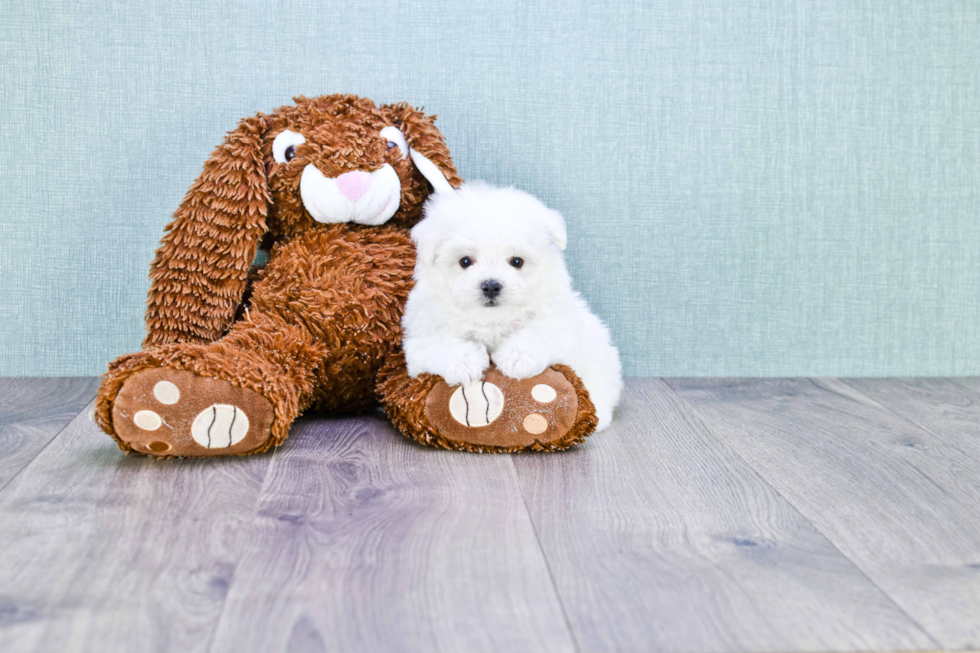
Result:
[[772, 515]]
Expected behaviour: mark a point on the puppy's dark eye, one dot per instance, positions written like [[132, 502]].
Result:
[[391, 145], [465, 262], [517, 262], [290, 152]]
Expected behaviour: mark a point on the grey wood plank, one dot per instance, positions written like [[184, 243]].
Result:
[[661, 538], [107, 552], [968, 382], [34, 410], [899, 502], [942, 407], [364, 541]]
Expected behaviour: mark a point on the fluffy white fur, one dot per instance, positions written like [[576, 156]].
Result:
[[454, 330]]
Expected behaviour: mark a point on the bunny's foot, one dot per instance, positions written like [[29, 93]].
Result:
[[166, 412], [200, 400], [549, 412]]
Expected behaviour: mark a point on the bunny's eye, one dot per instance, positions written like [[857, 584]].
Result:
[[395, 137], [284, 147]]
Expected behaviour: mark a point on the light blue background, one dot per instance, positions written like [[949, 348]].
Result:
[[752, 188]]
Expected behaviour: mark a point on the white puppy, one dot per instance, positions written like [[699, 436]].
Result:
[[491, 284]]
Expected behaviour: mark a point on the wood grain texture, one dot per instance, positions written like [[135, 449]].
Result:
[[32, 412], [901, 503], [364, 541], [659, 533], [946, 408], [660, 538], [107, 552]]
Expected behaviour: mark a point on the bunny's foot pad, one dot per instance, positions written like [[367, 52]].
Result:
[[166, 413], [544, 412]]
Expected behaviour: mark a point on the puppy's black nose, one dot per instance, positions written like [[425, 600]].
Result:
[[491, 288]]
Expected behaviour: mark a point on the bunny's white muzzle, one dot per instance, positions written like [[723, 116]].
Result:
[[363, 197]]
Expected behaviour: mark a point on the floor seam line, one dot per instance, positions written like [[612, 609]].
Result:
[[544, 555], [46, 445], [909, 421], [954, 381], [248, 536], [796, 509]]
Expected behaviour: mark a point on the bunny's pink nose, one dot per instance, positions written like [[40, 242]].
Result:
[[354, 184]]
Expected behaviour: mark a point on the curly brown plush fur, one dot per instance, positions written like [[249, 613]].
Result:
[[317, 324]]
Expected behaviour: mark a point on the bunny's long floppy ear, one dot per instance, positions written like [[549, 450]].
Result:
[[428, 149], [431, 172], [199, 274]]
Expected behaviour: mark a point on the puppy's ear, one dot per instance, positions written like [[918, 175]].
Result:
[[428, 235], [198, 276], [555, 224]]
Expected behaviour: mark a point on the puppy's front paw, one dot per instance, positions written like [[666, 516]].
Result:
[[519, 363], [467, 367]]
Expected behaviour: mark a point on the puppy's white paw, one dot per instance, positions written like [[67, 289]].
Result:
[[519, 363], [466, 367]]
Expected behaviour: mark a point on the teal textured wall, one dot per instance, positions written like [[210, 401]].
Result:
[[752, 188]]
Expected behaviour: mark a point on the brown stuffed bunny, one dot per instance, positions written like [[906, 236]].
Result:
[[331, 186]]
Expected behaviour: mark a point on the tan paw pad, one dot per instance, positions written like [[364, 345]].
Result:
[[535, 424], [543, 394], [166, 393], [147, 420]]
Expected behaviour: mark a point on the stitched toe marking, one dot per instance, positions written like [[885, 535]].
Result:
[[476, 404], [219, 426]]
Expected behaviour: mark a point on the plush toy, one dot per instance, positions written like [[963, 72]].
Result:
[[329, 187]]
